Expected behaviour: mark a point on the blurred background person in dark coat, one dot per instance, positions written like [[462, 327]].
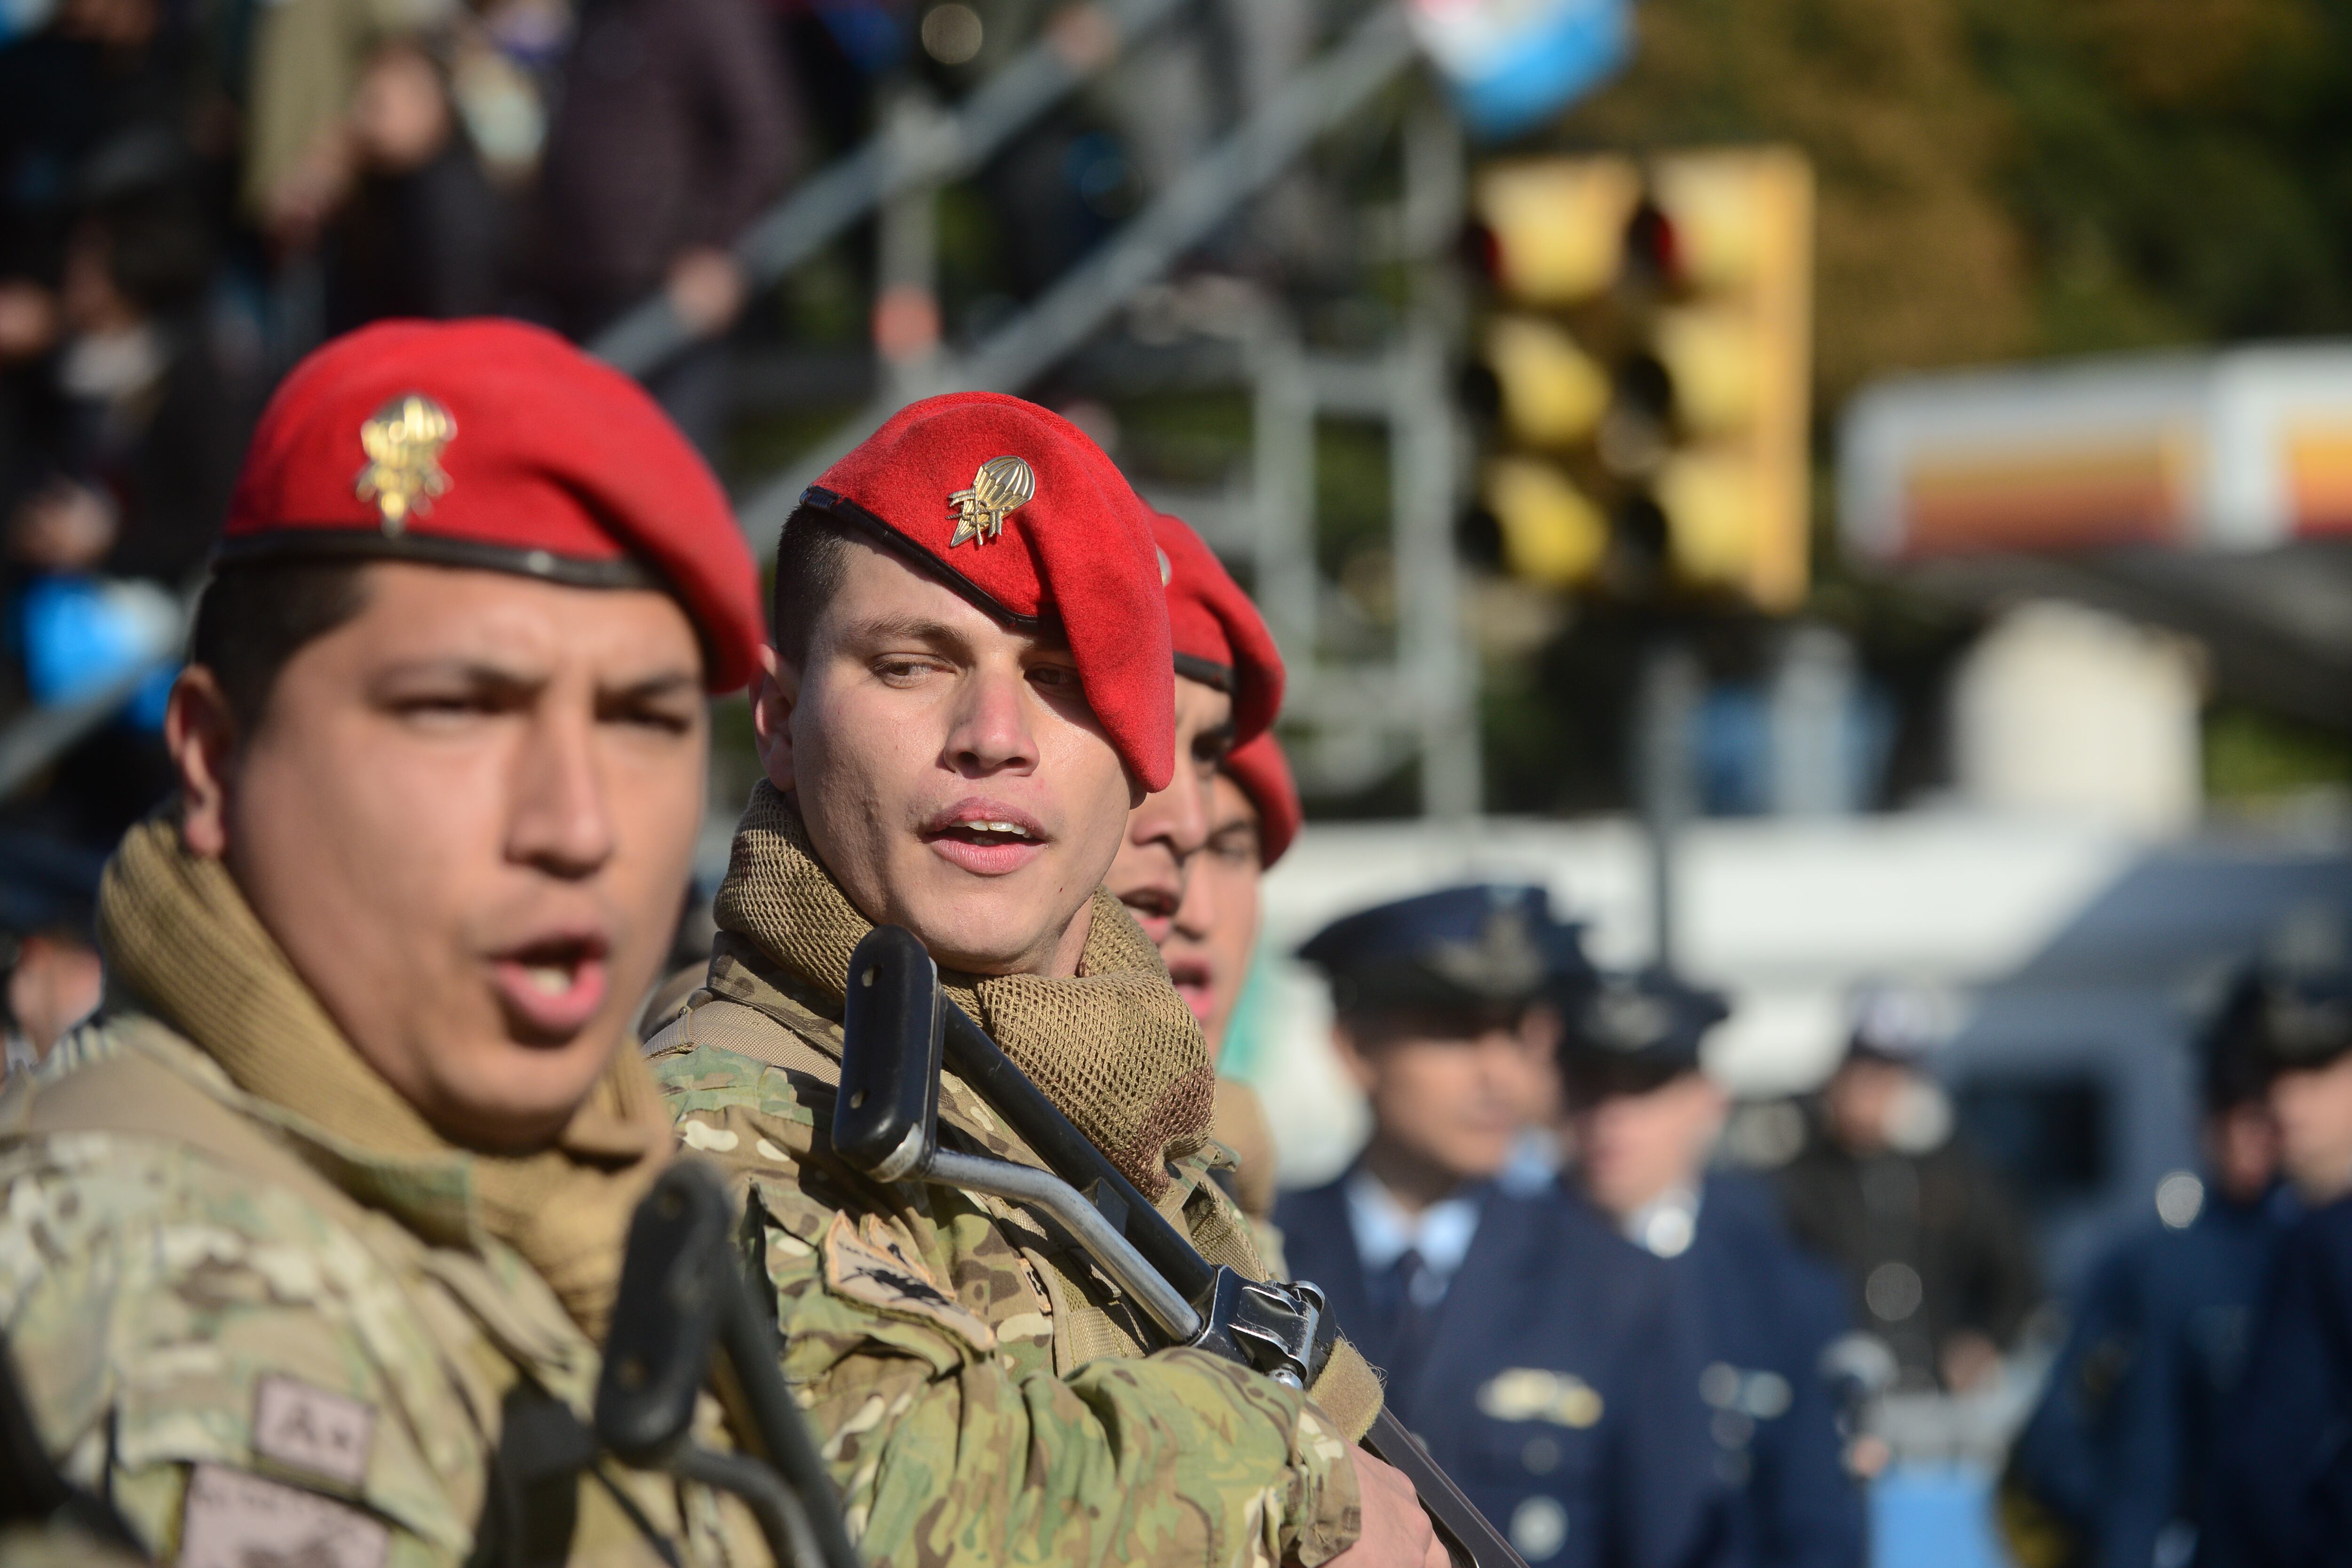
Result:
[[2116, 1467], [1642, 1120], [672, 133], [1937, 1257], [425, 232], [2282, 1496], [48, 943]]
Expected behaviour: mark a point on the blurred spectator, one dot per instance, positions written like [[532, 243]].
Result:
[[2116, 1467], [1549, 1365], [143, 437], [673, 132], [308, 59], [104, 89], [425, 232], [1934, 1249], [48, 899], [1644, 1117], [100, 100], [129, 451], [2282, 1495]]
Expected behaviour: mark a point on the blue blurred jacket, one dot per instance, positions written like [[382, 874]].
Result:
[[2282, 1494], [1557, 1381]]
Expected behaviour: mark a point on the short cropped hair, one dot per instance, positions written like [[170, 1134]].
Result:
[[254, 617], [811, 558]]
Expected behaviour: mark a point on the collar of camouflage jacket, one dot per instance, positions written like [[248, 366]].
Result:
[[1114, 1046], [181, 942]]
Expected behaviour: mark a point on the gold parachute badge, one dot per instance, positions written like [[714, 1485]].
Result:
[[404, 443], [1002, 484]]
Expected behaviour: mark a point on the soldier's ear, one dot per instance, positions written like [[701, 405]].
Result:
[[773, 697], [200, 732]]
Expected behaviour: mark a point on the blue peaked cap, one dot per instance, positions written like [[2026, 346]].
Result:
[[1478, 945], [1647, 1025]]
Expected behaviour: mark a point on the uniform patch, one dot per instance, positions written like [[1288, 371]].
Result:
[[311, 1430], [1533, 1394], [869, 1264], [235, 1520]]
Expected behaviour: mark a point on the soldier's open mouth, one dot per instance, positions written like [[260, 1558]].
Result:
[[985, 836], [989, 833], [552, 987]]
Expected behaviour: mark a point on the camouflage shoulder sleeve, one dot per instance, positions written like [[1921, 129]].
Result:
[[217, 1356], [928, 1371]]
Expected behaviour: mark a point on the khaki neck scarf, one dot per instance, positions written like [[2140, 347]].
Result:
[[178, 936], [1115, 1048]]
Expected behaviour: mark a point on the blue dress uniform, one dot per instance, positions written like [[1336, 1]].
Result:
[[1549, 1365], [2282, 1491], [1555, 1378], [2119, 1454], [2282, 1494], [1766, 1311], [2121, 1447]]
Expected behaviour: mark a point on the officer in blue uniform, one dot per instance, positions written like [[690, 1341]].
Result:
[[1549, 1365], [2282, 1491], [1642, 1117], [2115, 1469]]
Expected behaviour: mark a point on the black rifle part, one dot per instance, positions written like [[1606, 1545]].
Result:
[[683, 1295], [965, 1047], [32, 1492], [887, 1115]]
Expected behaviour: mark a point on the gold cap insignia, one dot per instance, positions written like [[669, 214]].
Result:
[[403, 444], [1002, 484]]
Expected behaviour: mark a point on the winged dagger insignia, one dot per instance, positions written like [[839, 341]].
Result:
[[1002, 484]]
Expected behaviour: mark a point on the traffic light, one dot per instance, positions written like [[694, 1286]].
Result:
[[1644, 371]]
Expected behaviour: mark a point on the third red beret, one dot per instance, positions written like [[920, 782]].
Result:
[[1218, 635], [1263, 774]]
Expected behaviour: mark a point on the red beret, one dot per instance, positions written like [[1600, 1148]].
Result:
[[1016, 509], [1219, 637], [495, 445], [1264, 773]]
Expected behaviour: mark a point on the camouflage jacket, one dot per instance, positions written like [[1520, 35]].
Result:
[[980, 1386], [265, 1346]]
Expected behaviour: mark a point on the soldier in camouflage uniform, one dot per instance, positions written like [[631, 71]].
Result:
[[310, 1237], [970, 689]]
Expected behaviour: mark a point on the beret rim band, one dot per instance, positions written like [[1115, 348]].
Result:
[[1207, 671], [357, 544], [832, 504]]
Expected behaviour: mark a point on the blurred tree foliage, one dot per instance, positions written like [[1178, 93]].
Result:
[[2015, 177]]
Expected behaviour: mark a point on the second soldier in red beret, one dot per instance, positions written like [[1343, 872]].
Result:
[[972, 685]]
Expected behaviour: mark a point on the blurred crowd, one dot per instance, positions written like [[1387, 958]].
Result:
[[195, 191]]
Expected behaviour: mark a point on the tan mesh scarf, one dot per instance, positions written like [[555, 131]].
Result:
[[1115, 1048], [179, 936]]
